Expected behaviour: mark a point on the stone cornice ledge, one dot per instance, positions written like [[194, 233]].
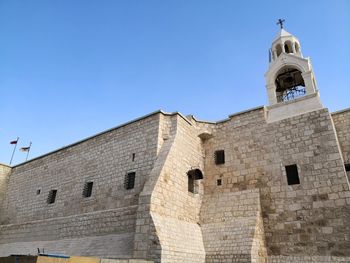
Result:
[[280, 104]]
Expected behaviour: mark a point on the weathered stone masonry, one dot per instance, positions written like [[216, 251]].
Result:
[[252, 216], [341, 121], [103, 159], [264, 185], [309, 218], [4, 177]]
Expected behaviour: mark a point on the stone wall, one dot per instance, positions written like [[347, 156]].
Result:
[[175, 232], [244, 210], [104, 159], [109, 246], [308, 259], [309, 218], [232, 227], [147, 244], [120, 220], [4, 178], [341, 121]]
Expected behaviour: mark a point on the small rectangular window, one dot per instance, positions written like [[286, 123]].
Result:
[[218, 182], [38, 191], [87, 191], [133, 157], [219, 157], [347, 167], [292, 174], [129, 181], [52, 196]]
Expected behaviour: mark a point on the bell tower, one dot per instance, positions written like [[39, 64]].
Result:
[[290, 80]]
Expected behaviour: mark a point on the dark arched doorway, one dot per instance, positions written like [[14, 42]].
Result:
[[193, 176]]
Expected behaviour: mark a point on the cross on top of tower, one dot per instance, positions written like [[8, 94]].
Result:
[[280, 22]]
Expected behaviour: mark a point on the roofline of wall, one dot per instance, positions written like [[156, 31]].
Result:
[[5, 165], [201, 121], [144, 117], [229, 116], [246, 111], [103, 132], [340, 111]]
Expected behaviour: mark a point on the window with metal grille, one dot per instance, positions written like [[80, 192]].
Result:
[[129, 180], [52, 196], [87, 191], [219, 157], [347, 167], [292, 174]]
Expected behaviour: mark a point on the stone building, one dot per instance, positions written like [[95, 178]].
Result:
[[264, 185]]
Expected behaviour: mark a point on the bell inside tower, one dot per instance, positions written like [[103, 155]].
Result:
[[289, 84]]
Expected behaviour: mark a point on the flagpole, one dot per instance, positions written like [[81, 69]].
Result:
[[30, 145], [14, 149]]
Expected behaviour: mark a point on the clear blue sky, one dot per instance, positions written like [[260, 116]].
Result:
[[70, 69]]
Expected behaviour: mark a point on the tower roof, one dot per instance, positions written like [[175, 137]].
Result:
[[282, 33]]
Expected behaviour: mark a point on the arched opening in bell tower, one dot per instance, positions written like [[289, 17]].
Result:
[[288, 47], [278, 50], [289, 84]]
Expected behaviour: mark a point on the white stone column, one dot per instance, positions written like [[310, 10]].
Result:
[[309, 85], [271, 93], [274, 54]]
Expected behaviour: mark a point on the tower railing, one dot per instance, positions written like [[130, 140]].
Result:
[[291, 94]]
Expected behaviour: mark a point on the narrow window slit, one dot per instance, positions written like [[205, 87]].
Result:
[[347, 167], [52, 196], [87, 191], [129, 181], [292, 174]]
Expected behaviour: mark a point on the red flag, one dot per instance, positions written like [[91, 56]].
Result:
[[25, 149], [14, 142]]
